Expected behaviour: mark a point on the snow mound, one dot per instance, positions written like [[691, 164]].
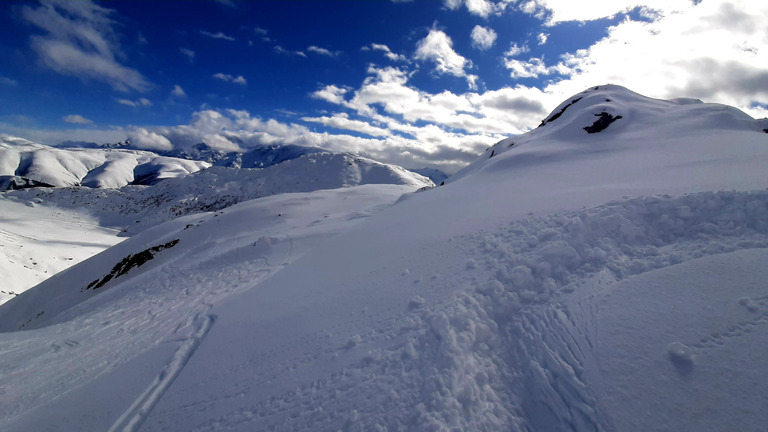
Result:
[[602, 119], [37, 164]]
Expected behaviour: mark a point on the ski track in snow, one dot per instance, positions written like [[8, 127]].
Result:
[[510, 352], [134, 417]]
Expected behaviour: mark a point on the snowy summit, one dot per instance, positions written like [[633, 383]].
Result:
[[604, 271]]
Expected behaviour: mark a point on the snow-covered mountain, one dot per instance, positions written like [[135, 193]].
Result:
[[34, 248], [27, 164], [604, 271], [259, 157]]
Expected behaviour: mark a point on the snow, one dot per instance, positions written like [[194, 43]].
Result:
[[38, 241], [99, 215], [92, 167], [699, 350], [564, 281]]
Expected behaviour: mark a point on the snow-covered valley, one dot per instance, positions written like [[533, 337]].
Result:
[[604, 271]]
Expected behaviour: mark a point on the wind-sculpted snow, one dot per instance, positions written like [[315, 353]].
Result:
[[91, 167]]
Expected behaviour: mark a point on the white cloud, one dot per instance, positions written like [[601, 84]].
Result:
[[387, 52], [217, 35], [531, 68], [322, 51], [515, 50], [442, 130], [542, 38], [188, 53], [483, 37], [136, 103], [80, 41], [331, 93], [76, 119], [342, 121], [145, 139], [482, 8], [280, 50], [230, 78], [438, 47], [178, 91], [558, 11], [714, 51]]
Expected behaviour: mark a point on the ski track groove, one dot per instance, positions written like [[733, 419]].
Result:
[[132, 419]]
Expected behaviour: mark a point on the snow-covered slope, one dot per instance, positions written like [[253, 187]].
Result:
[[38, 241], [96, 168], [567, 280], [50, 219]]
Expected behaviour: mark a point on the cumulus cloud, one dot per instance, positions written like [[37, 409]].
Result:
[[542, 38], [76, 119], [713, 50], [230, 78], [145, 139], [80, 40], [331, 93], [483, 37], [531, 68], [515, 50], [137, 103], [217, 35], [442, 130], [482, 8], [438, 48], [387, 52]]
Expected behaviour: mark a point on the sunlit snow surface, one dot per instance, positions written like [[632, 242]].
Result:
[[564, 281]]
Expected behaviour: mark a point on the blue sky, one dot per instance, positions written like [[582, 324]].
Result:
[[418, 83]]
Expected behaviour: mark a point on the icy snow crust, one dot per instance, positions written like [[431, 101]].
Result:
[[564, 281]]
